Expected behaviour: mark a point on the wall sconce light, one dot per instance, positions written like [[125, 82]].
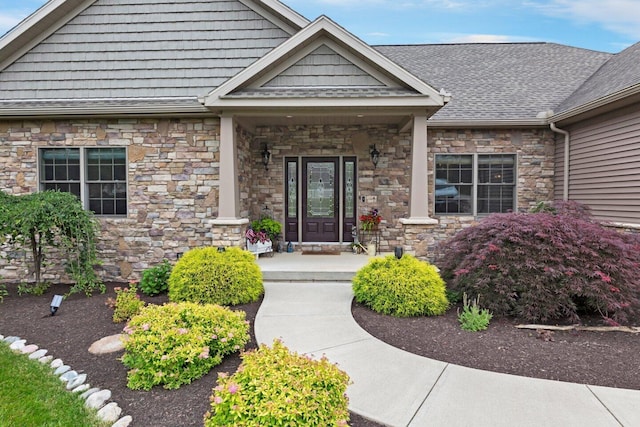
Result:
[[55, 303], [375, 155], [266, 155]]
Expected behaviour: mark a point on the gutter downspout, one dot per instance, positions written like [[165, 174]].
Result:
[[565, 188]]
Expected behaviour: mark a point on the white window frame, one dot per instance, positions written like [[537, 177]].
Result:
[[84, 183], [475, 182]]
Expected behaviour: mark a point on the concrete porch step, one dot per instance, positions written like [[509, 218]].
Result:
[[296, 267]]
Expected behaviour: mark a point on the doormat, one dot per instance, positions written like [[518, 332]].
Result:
[[320, 253]]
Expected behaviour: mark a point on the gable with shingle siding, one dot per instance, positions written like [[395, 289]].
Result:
[[143, 48]]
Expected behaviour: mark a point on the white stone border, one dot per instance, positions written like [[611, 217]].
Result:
[[94, 397]]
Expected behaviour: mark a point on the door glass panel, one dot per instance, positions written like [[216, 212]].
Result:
[[349, 178], [292, 189], [320, 189]]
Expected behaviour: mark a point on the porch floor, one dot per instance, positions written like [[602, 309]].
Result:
[[298, 267]]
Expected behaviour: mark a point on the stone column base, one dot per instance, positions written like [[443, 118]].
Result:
[[229, 232], [419, 237]]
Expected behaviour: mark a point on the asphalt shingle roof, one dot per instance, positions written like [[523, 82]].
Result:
[[620, 72], [512, 81]]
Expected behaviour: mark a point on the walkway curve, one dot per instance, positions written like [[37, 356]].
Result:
[[401, 389]]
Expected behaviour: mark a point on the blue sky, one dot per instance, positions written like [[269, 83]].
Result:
[[606, 25]]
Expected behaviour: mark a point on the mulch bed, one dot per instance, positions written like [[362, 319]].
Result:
[[608, 359]]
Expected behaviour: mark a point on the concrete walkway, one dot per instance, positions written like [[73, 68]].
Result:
[[397, 388]]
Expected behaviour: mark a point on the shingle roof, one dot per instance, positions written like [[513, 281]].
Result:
[[620, 72], [513, 81], [321, 92]]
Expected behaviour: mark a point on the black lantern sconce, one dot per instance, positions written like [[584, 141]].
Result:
[[375, 155], [55, 303], [266, 155]]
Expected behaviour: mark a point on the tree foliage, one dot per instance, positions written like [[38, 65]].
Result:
[[546, 265], [53, 222]]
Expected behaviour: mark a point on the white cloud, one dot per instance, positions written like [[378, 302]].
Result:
[[620, 16]]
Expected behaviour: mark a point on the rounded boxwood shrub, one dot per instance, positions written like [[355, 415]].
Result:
[[173, 344], [401, 287], [207, 276], [274, 387], [546, 265]]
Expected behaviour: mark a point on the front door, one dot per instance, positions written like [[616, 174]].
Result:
[[320, 199]]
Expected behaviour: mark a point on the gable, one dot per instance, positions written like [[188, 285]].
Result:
[[146, 49], [324, 66]]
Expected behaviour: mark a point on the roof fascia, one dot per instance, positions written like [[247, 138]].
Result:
[[37, 27], [612, 101], [278, 13], [329, 102], [322, 26], [516, 123]]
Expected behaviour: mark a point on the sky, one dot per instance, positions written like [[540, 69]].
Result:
[[603, 25]]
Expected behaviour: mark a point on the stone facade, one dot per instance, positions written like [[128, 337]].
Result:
[[173, 179]]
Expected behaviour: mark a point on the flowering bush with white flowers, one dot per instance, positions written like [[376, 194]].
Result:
[[173, 344], [274, 387]]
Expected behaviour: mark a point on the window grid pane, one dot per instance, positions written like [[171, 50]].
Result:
[[496, 183], [454, 184], [106, 181], [60, 170]]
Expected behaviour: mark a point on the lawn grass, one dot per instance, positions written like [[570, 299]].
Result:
[[30, 395]]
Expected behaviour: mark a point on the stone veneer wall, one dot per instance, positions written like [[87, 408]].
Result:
[[172, 188], [174, 167]]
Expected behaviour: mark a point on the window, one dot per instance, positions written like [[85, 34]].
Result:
[[97, 176], [474, 184]]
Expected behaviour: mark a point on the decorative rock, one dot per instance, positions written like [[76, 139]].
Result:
[[38, 354], [28, 349], [61, 370], [56, 363], [68, 376], [79, 380], [123, 422], [110, 412], [97, 400], [89, 392], [109, 344], [11, 339], [17, 345], [45, 359], [81, 388]]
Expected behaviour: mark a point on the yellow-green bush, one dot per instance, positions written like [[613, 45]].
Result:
[[274, 387], [207, 276], [401, 287], [173, 344]]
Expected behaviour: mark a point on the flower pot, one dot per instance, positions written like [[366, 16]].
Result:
[[258, 248]]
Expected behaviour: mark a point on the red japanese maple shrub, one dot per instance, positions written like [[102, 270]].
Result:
[[546, 265]]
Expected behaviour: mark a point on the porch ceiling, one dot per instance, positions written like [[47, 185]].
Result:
[[251, 122]]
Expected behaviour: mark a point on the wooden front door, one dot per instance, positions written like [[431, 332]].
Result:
[[320, 199]]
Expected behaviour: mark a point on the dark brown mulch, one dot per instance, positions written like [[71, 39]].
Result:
[[607, 359], [81, 321]]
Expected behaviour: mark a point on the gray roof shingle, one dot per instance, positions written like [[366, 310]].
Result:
[[512, 81], [620, 72]]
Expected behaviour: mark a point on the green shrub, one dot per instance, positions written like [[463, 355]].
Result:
[[3, 292], [37, 288], [173, 344], [207, 276], [401, 287], [274, 387], [127, 303], [546, 266], [154, 279], [473, 318], [271, 227]]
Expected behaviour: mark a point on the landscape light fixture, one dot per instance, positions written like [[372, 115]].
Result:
[[266, 155], [55, 303], [375, 155]]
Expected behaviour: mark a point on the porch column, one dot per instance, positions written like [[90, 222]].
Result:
[[228, 228], [418, 238], [229, 195], [419, 202]]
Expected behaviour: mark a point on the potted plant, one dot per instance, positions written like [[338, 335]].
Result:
[[370, 220], [258, 242], [270, 227]]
